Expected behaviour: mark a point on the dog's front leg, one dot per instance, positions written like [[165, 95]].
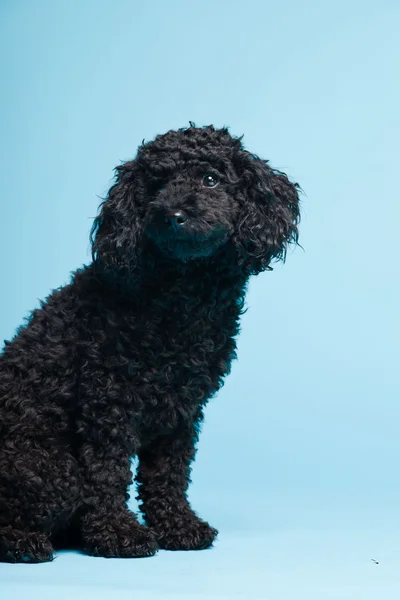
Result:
[[163, 478], [108, 528]]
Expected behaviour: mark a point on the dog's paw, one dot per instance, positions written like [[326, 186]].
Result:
[[120, 538], [189, 533], [18, 546]]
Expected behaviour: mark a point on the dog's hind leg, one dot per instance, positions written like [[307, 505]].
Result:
[[39, 492]]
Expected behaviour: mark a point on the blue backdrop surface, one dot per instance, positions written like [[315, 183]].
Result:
[[298, 461]]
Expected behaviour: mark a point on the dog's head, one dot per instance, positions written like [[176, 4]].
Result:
[[191, 192]]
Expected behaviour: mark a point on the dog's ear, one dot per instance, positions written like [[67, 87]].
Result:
[[116, 231], [270, 214]]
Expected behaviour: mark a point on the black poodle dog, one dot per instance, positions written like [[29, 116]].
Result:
[[121, 362]]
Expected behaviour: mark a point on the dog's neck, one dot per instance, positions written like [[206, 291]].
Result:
[[153, 275]]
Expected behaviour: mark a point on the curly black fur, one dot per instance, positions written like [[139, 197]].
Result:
[[121, 362]]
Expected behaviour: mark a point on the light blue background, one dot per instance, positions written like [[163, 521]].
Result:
[[298, 463]]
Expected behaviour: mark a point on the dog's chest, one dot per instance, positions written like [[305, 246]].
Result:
[[167, 344], [173, 354]]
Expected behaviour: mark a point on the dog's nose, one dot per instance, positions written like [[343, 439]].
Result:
[[175, 220]]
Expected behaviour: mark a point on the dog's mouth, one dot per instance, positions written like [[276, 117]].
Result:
[[185, 243]]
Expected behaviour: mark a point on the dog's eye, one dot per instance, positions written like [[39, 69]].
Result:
[[210, 181]]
